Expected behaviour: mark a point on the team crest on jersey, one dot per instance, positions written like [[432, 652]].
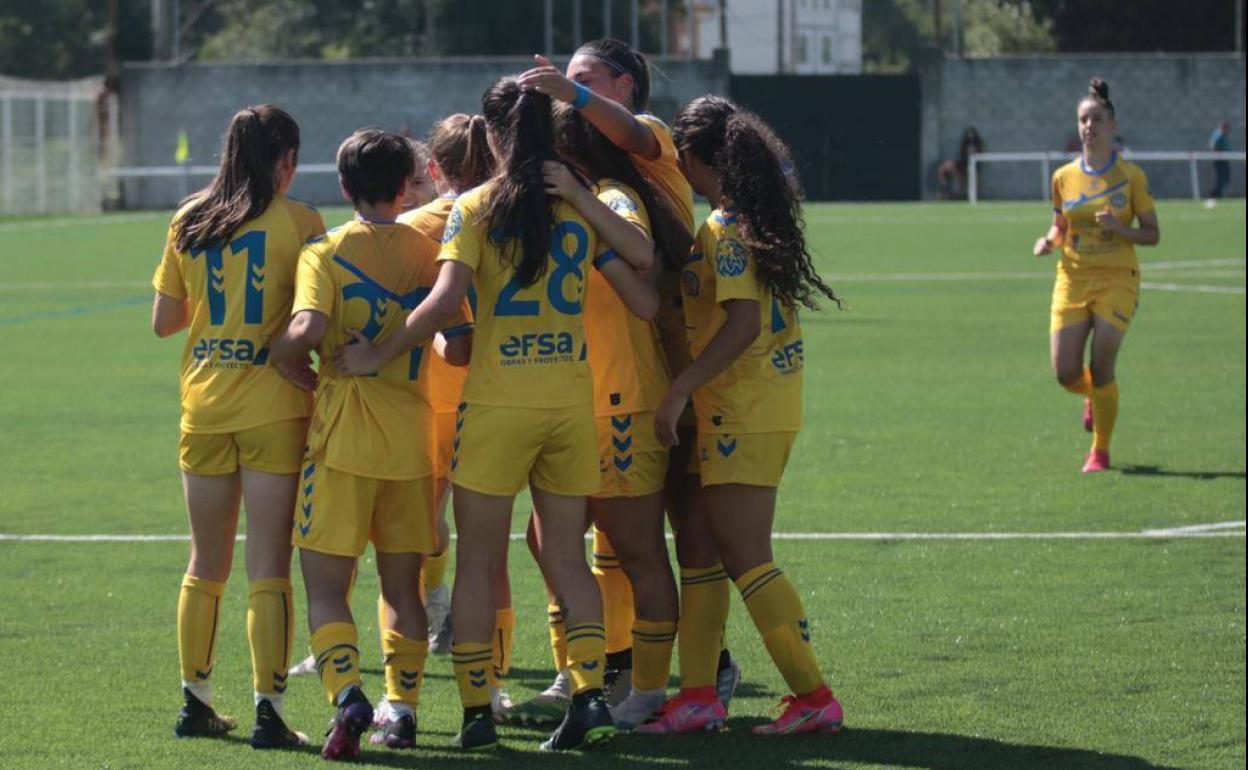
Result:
[[622, 204], [454, 223], [691, 283], [731, 259], [1119, 200]]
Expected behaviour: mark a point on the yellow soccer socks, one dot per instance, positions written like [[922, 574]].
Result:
[[652, 653], [587, 656], [472, 663], [504, 629], [1104, 415], [271, 634], [617, 594], [433, 571], [558, 636], [405, 667], [337, 652], [778, 615], [199, 607], [703, 612]]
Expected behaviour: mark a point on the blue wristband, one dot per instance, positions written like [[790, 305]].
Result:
[[582, 95]]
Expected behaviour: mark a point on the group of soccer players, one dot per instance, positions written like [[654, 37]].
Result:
[[552, 319]]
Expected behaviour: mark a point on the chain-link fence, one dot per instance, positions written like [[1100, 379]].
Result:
[[50, 145]]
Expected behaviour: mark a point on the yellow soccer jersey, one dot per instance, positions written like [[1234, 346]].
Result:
[[1079, 193], [664, 171], [625, 355], [430, 219], [528, 346], [446, 382], [368, 276], [760, 392], [239, 295]]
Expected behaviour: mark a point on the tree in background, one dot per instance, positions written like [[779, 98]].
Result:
[[1142, 25], [901, 35], [62, 39]]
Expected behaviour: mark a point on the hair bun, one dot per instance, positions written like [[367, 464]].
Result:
[[1098, 87]]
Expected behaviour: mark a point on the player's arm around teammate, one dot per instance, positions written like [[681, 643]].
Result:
[[527, 416], [1096, 200], [368, 472], [630, 377], [608, 81], [228, 273], [460, 159], [749, 273]]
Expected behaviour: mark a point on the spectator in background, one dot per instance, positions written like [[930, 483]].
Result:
[[954, 171], [1220, 141]]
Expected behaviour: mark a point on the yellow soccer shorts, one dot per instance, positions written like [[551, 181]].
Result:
[[275, 447], [339, 513], [499, 449], [631, 461], [1114, 298], [443, 443], [757, 459]]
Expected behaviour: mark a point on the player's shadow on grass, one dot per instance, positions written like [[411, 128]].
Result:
[[738, 748], [1157, 470]]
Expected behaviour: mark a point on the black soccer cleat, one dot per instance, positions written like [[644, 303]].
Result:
[[271, 731], [617, 677], [587, 725], [198, 720], [477, 732]]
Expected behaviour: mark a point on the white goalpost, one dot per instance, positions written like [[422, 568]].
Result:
[[1048, 160]]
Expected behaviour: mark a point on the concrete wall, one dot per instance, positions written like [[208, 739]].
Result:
[[1028, 103], [330, 100]]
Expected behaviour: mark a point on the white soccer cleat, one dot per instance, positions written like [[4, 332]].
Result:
[[639, 706], [383, 712], [305, 667], [500, 704]]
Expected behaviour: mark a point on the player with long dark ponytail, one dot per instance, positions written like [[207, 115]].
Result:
[[228, 274], [527, 416], [608, 82], [749, 272]]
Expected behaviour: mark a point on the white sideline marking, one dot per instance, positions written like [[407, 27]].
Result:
[[1220, 529], [1197, 266], [83, 221], [1192, 287], [1221, 525], [79, 286], [1181, 264]]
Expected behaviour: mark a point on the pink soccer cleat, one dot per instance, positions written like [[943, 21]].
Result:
[[1088, 423], [1097, 461], [818, 712], [689, 712]]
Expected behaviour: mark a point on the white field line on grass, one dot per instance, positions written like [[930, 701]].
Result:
[[1195, 267], [83, 221], [1219, 529], [1192, 287]]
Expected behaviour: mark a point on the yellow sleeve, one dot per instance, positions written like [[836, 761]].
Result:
[[1141, 197], [461, 322], [1057, 191], [461, 240], [168, 278], [308, 221], [314, 281], [627, 205], [735, 273], [667, 148]]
